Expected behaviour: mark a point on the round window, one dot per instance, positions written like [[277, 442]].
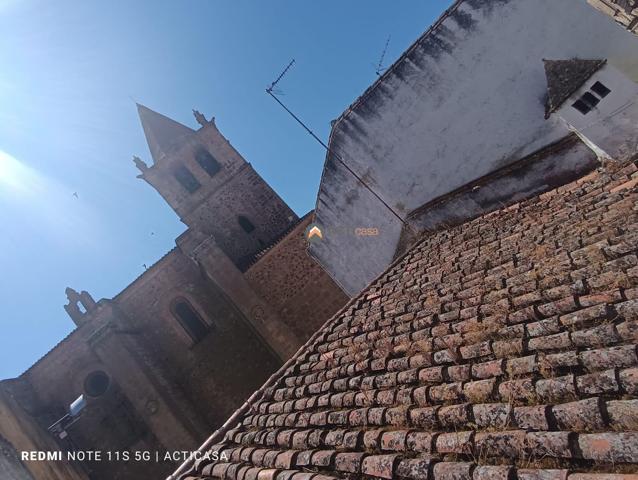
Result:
[[96, 384]]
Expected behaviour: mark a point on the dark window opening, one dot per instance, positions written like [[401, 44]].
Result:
[[246, 224], [207, 162], [186, 179], [96, 384], [190, 320], [601, 90], [590, 99], [582, 107]]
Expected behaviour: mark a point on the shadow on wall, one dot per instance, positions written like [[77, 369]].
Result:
[[550, 167], [11, 468]]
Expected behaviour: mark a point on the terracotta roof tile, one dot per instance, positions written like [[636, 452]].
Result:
[[518, 360]]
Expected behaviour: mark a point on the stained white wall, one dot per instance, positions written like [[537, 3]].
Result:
[[611, 127], [463, 102]]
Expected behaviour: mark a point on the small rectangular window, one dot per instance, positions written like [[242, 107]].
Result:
[[601, 90], [186, 179], [582, 107], [589, 99]]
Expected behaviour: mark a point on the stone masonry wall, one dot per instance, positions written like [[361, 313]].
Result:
[[303, 294], [223, 368], [248, 195], [19, 431]]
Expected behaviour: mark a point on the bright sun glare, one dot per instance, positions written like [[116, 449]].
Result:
[[44, 203], [14, 175]]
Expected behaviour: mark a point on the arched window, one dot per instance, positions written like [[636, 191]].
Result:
[[246, 224], [207, 162], [189, 319], [186, 179]]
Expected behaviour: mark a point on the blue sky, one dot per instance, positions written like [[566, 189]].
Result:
[[70, 72]]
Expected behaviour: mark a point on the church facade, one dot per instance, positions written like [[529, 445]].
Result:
[[171, 356]]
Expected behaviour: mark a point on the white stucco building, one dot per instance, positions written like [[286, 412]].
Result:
[[459, 125], [601, 107]]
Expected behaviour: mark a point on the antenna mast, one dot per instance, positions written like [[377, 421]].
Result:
[[380, 68], [281, 75]]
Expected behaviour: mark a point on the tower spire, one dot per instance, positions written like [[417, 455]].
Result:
[[161, 132]]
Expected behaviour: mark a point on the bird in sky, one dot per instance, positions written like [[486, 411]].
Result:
[[75, 194]]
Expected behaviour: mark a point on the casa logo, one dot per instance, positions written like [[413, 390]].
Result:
[[314, 233]]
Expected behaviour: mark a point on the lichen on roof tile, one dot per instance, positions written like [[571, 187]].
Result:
[[504, 347]]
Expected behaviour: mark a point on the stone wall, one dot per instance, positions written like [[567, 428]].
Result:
[[19, 431], [110, 422], [235, 190], [248, 195], [166, 390], [160, 175], [223, 368], [302, 294]]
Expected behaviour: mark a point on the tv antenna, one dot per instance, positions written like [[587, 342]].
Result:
[[380, 68], [271, 91]]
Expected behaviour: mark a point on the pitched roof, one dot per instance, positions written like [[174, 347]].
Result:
[[501, 348], [161, 132], [564, 77]]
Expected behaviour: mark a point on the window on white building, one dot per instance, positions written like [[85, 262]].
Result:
[[601, 90], [582, 107]]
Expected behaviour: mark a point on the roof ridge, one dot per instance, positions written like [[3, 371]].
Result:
[[429, 31], [42, 357], [148, 270]]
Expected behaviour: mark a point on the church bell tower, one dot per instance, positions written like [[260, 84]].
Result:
[[211, 187]]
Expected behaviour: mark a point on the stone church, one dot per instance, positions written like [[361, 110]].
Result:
[[502, 345], [171, 356]]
